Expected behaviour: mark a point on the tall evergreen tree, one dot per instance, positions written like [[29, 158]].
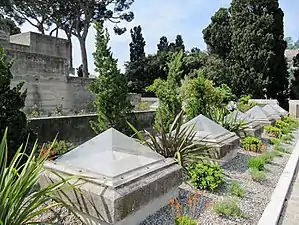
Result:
[[179, 43], [163, 44], [110, 88], [258, 47], [217, 35], [294, 93], [137, 45]]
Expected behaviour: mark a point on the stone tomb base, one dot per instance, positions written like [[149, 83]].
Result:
[[122, 182]]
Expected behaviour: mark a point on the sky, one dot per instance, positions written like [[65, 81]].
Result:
[[169, 18]]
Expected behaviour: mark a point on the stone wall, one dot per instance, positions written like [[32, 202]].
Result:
[[76, 129]]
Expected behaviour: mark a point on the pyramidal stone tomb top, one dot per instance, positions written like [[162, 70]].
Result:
[[111, 158], [260, 115], [207, 129], [272, 112], [281, 111]]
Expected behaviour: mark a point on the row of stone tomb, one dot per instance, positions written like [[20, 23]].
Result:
[[125, 181]]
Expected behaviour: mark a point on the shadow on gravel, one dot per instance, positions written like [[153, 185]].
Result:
[[238, 164]]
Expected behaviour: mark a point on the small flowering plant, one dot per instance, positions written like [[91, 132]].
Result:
[[185, 214], [254, 144]]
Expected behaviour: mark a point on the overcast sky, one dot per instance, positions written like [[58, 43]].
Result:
[[169, 18]]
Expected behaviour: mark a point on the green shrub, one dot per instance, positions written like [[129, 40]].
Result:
[[236, 189], [244, 105], [287, 138], [143, 106], [207, 176], [293, 123], [229, 207], [256, 175], [257, 162], [274, 141], [273, 131], [58, 148], [252, 144], [283, 126], [185, 220]]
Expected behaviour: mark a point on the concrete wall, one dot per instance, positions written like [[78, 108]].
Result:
[[76, 129]]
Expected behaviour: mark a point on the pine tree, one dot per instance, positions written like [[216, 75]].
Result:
[[137, 45], [295, 81], [179, 43], [12, 101], [110, 88], [163, 45]]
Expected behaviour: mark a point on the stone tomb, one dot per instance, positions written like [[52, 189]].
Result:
[[253, 128], [260, 116], [123, 181], [208, 132], [281, 110], [272, 112]]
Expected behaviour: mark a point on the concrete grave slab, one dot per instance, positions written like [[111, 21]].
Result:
[[272, 112], [123, 180], [260, 116], [224, 144], [264, 101], [253, 127], [155, 105], [294, 108]]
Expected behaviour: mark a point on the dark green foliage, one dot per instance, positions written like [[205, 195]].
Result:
[[257, 163], [249, 38], [218, 34], [291, 44], [137, 45], [168, 93], [179, 43], [9, 25], [110, 88], [136, 73], [207, 176], [257, 56], [295, 81], [12, 101], [163, 45]]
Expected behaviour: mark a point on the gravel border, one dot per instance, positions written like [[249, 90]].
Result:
[[253, 204]]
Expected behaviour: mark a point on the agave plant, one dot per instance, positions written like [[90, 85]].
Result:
[[20, 200], [228, 120], [176, 141]]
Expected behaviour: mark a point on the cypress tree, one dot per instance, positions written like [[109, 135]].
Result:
[[110, 87]]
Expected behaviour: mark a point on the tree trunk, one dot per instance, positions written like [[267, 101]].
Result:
[[70, 52], [83, 56]]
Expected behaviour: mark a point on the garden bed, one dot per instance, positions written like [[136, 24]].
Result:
[[252, 204]]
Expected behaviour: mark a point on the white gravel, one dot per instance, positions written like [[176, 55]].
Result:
[[256, 198]]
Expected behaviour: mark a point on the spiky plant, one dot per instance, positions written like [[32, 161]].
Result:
[[176, 141], [20, 200]]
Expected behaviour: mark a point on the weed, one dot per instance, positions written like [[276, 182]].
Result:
[[237, 190], [229, 207], [256, 175], [257, 162]]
